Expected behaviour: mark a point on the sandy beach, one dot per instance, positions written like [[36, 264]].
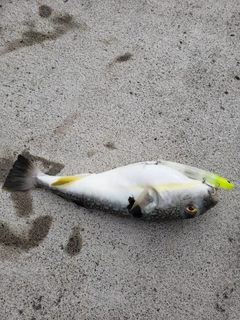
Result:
[[87, 86]]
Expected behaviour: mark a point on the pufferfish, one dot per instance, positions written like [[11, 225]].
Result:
[[146, 190]]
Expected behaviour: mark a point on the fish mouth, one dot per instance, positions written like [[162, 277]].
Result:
[[212, 200], [209, 201]]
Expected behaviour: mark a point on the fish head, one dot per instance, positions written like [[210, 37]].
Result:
[[196, 201]]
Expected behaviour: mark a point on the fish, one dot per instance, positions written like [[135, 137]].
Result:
[[145, 190]]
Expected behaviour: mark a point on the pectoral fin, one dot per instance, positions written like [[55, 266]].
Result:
[[146, 201]]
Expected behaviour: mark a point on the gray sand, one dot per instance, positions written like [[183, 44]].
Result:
[[92, 85]]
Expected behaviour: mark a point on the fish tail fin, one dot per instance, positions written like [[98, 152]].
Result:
[[22, 176]]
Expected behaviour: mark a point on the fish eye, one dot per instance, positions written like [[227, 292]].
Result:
[[190, 209]]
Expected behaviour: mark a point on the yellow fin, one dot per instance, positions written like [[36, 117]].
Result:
[[66, 180]]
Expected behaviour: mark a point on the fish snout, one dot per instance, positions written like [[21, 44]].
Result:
[[209, 202], [212, 199]]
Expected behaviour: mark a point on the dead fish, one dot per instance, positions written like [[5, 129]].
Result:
[[147, 190]]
